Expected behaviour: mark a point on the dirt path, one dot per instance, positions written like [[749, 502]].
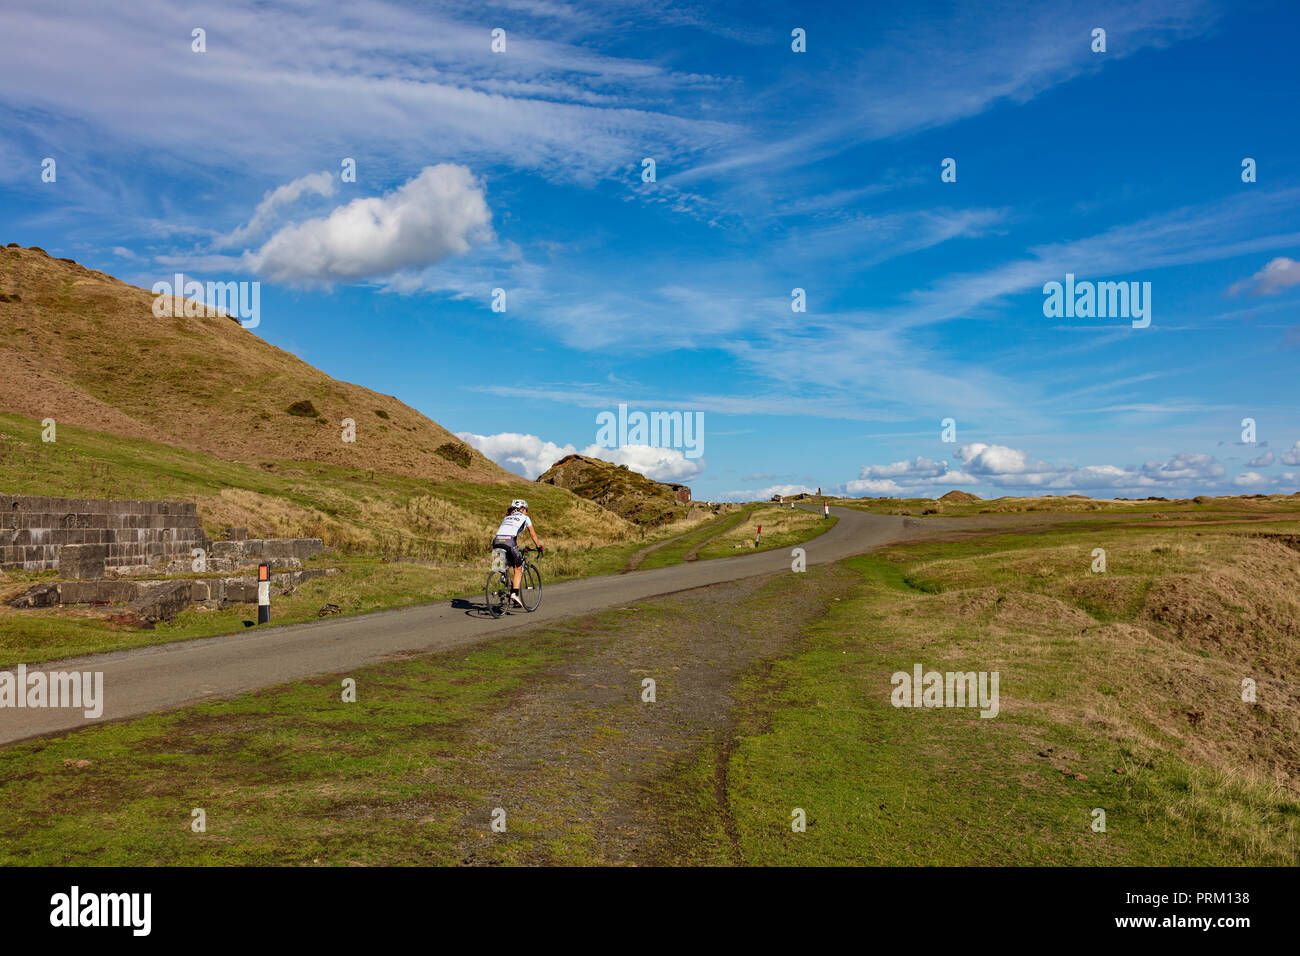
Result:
[[577, 764]]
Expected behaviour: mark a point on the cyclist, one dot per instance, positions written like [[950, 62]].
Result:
[[507, 539]]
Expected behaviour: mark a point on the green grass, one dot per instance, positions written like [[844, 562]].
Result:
[[902, 786], [807, 527], [290, 775], [1091, 717], [1135, 508], [373, 515], [676, 550]]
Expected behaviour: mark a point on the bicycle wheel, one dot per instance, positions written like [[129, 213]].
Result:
[[497, 593], [530, 587]]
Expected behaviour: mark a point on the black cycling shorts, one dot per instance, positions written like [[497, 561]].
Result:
[[514, 557]]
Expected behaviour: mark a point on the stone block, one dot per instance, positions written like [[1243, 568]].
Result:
[[240, 591], [82, 560], [97, 592], [162, 602], [42, 595]]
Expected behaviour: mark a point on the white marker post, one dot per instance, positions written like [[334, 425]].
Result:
[[758, 534], [826, 510], [263, 594]]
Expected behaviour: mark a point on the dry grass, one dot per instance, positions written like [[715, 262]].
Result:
[[776, 522], [85, 349], [1156, 648]]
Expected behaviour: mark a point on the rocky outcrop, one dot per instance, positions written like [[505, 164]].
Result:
[[625, 492]]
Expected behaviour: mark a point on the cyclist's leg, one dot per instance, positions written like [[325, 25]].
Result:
[[516, 561]]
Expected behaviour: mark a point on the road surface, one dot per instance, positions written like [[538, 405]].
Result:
[[165, 676]]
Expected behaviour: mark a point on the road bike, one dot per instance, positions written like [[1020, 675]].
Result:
[[497, 591]]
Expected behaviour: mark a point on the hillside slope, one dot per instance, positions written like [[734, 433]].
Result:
[[85, 349]]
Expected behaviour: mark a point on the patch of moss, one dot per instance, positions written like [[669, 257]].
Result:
[[456, 452], [303, 409]]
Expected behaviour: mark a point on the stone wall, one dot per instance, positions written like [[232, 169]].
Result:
[[33, 531]]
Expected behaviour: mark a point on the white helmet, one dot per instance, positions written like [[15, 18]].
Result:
[[519, 503]]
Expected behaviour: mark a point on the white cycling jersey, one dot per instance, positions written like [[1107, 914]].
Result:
[[513, 525]]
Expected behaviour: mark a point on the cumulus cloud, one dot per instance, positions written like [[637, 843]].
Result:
[[441, 212], [782, 490], [525, 455], [1279, 274], [1250, 479], [1186, 466], [529, 456], [661, 464], [1263, 461], [317, 184], [1292, 455], [900, 476], [875, 486], [918, 467], [1003, 467]]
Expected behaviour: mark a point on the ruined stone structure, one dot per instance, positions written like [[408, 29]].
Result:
[[34, 532]]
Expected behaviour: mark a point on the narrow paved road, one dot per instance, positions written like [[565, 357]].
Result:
[[147, 679]]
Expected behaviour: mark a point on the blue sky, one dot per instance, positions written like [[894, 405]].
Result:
[[775, 170]]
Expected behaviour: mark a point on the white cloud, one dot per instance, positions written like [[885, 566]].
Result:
[[525, 455], [529, 456], [439, 213], [874, 486], [1098, 476], [1280, 273], [1263, 461], [782, 490], [981, 459], [393, 78], [918, 467], [1186, 466], [317, 184], [1292, 456], [1250, 479], [661, 464], [1011, 469]]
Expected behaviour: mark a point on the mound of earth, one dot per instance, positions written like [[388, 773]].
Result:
[[627, 493], [960, 497]]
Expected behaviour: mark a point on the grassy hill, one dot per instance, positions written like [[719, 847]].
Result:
[[205, 410], [85, 349]]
